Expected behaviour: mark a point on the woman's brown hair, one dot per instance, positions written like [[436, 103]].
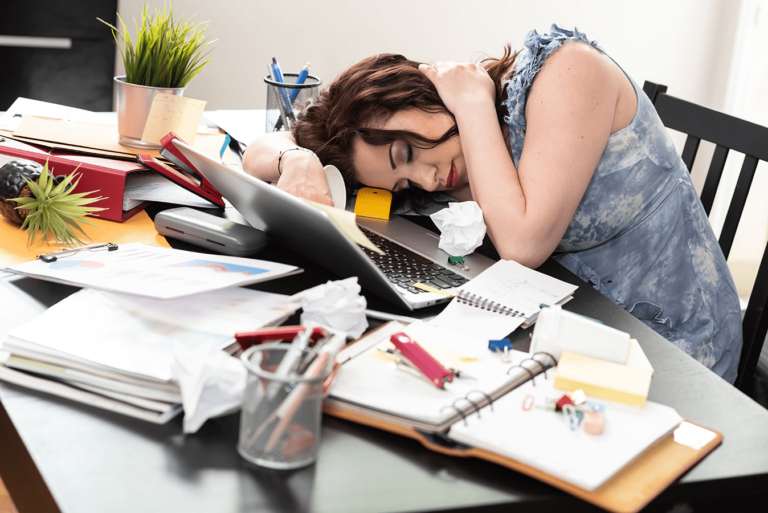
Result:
[[367, 94]]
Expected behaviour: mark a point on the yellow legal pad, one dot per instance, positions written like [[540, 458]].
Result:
[[628, 383]]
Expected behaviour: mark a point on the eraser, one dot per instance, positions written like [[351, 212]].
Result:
[[374, 203], [594, 422]]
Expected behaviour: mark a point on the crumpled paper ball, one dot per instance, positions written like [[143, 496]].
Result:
[[335, 304], [212, 383], [461, 226]]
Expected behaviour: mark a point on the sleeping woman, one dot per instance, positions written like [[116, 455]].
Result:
[[563, 152]]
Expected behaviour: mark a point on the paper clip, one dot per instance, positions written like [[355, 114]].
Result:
[[421, 360], [573, 415]]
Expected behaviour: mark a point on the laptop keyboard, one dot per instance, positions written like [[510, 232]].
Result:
[[405, 268]]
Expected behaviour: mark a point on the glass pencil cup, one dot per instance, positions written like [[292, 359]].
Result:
[[285, 99], [281, 416]]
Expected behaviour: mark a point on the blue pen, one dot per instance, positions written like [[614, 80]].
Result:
[[277, 74], [300, 80]]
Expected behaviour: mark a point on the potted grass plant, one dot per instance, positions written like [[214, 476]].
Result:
[[165, 55]]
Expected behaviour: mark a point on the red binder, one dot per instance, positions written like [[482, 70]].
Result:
[[107, 176]]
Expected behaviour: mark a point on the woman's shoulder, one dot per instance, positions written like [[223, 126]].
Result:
[[559, 59], [536, 50]]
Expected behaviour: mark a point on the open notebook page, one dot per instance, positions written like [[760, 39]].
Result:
[[542, 439], [370, 381], [511, 285]]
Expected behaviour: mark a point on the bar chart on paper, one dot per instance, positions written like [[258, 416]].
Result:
[[155, 272]]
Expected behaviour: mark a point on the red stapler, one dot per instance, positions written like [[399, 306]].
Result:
[[419, 358], [187, 176], [280, 334]]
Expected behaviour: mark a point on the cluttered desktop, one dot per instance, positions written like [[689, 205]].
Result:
[[158, 300]]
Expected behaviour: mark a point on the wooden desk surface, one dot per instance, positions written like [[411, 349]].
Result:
[[56, 455]]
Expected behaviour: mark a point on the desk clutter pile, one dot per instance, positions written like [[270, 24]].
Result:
[[156, 331]]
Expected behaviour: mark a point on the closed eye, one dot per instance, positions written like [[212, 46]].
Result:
[[408, 153]]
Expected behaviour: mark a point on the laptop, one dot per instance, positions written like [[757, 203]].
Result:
[[411, 252]]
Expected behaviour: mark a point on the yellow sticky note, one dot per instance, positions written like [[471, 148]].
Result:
[[373, 203], [171, 113]]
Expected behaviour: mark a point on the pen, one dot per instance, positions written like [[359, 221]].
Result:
[[290, 361], [277, 76], [52, 257], [287, 409], [300, 80]]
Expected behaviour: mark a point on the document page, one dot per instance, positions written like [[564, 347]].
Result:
[[372, 379], [542, 439], [154, 272]]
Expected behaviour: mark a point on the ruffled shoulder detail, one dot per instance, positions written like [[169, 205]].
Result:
[[537, 47]]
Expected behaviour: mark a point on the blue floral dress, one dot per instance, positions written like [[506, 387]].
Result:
[[640, 235]]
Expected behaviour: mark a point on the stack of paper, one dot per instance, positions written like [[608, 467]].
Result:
[[116, 351]]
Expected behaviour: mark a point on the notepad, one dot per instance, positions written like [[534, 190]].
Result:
[[627, 383], [504, 286]]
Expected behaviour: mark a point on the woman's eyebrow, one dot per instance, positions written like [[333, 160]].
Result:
[[391, 160]]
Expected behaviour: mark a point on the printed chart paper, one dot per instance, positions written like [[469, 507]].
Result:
[[148, 271]]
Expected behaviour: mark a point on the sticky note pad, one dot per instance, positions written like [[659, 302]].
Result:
[[373, 203], [628, 383]]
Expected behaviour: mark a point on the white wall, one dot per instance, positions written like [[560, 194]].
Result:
[[677, 43]]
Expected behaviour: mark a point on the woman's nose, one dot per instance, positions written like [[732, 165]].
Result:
[[426, 177]]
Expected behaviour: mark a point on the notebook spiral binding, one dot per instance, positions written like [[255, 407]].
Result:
[[473, 299], [476, 407]]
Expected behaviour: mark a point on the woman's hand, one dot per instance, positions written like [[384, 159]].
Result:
[[460, 85], [303, 175]]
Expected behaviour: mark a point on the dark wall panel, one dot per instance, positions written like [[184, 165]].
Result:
[[80, 76]]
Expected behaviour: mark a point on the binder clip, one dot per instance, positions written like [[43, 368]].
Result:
[[417, 357], [502, 347], [187, 176]]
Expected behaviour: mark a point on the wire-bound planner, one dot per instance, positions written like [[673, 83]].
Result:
[[622, 470]]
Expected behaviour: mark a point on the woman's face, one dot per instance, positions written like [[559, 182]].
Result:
[[393, 166]]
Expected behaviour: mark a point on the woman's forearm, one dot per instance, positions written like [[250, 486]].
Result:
[[260, 159], [497, 188]]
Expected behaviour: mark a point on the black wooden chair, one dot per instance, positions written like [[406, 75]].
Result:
[[728, 133]]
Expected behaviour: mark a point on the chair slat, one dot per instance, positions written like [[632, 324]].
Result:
[[737, 204], [754, 327], [714, 175], [689, 151]]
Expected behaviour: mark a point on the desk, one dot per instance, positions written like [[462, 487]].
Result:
[[89, 460]]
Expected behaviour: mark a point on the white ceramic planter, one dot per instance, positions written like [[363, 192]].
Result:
[[133, 103]]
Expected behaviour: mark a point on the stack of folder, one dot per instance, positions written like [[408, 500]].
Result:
[[74, 140]]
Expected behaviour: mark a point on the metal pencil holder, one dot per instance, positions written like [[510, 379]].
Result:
[[281, 417], [285, 99]]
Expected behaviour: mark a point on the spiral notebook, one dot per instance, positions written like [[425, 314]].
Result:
[[481, 415], [502, 298]]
